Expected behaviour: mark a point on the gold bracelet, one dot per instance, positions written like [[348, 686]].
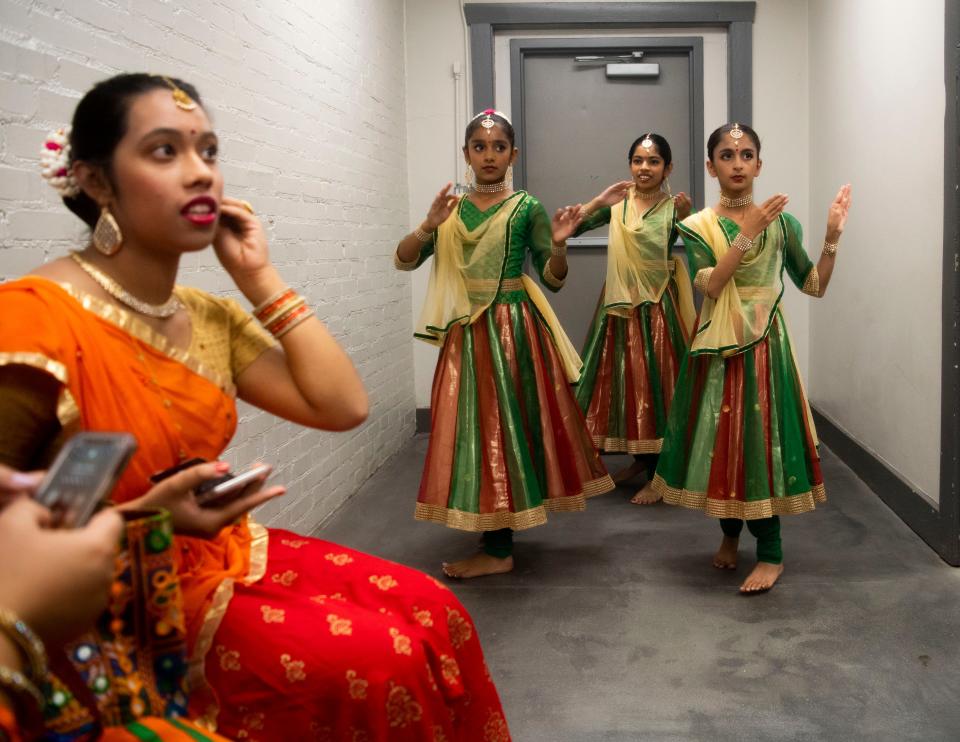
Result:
[[558, 251], [284, 326], [830, 248], [742, 242], [283, 310], [268, 305], [19, 685], [584, 212], [28, 643], [423, 236]]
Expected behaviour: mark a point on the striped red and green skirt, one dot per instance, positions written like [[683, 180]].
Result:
[[630, 369], [508, 442], [740, 442]]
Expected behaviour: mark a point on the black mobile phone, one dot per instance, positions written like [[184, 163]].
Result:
[[83, 476], [175, 469]]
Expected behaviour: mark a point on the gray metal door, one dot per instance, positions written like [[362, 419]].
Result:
[[575, 125]]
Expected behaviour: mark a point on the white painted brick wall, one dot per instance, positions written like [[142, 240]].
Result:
[[308, 99]]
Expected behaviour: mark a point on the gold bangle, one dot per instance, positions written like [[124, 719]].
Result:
[[287, 324], [422, 236], [262, 307], [282, 311], [558, 251], [584, 212], [27, 642], [742, 243], [830, 248], [19, 685]]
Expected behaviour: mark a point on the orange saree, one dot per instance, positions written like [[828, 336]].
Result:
[[289, 637]]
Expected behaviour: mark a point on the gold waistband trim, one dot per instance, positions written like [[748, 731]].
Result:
[[511, 284]]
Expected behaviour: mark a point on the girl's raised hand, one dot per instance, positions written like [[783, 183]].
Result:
[[240, 242], [442, 207], [565, 222], [683, 205], [758, 218], [613, 194], [837, 214]]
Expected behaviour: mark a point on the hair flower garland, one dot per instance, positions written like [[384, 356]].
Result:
[[55, 166]]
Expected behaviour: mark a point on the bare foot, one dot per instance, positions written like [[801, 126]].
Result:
[[478, 566], [762, 578], [624, 475], [726, 556], [646, 496]]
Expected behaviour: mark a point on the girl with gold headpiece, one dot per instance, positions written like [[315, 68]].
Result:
[[281, 636], [507, 443], [644, 318], [740, 442]]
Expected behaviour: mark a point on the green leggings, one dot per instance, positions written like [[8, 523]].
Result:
[[498, 543], [766, 531]]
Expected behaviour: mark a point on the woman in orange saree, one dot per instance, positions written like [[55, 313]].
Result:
[[288, 637]]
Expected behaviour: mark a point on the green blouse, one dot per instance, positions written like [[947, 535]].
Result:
[[530, 229], [602, 216], [795, 260]]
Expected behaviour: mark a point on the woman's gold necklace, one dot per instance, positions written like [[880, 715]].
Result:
[[158, 311]]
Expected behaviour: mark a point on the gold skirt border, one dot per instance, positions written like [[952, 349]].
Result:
[[626, 445], [530, 518], [755, 510]]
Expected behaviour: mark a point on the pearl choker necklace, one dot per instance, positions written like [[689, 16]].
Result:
[[490, 187], [159, 311], [734, 203]]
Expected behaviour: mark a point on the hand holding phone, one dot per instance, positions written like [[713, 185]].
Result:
[[83, 476], [218, 492], [181, 493]]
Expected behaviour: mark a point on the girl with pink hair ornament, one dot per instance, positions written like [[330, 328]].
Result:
[[508, 443]]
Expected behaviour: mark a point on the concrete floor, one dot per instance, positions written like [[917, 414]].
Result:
[[615, 627]]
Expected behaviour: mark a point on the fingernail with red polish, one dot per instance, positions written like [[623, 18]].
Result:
[[222, 466]]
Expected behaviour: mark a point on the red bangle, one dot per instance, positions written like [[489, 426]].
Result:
[[285, 324], [271, 304]]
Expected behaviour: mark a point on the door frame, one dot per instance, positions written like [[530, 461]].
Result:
[[736, 18], [692, 46]]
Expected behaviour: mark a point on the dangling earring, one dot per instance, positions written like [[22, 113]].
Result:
[[666, 183], [107, 237], [470, 177], [508, 178]]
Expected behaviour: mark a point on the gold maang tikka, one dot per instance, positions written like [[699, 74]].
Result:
[[647, 142], [736, 134], [180, 97], [488, 123]]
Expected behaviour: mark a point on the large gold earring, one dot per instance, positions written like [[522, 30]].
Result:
[[666, 184], [107, 237], [508, 178], [470, 176]]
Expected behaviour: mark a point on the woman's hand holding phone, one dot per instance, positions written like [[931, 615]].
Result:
[[57, 581], [177, 494]]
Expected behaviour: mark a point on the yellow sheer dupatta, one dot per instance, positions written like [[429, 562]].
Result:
[[638, 262], [465, 278], [740, 317], [465, 275]]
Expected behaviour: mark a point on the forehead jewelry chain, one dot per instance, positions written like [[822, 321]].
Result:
[[736, 134], [180, 97]]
